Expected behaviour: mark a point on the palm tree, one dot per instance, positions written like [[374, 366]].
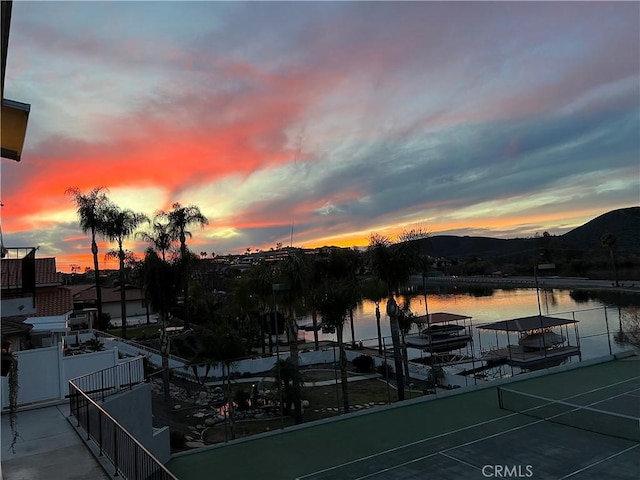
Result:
[[286, 375], [296, 273], [339, 292], [316, 293], [159, 237], [160, 241], [333, 308], [130, 262], [91, 208], [375, 290], [220, 343], [259, 280], [393, 264], [609, 240], [180, 218], [405, 322], [351, 264], [120, 225], [160, 281]]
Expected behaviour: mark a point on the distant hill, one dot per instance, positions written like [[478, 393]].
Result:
[[451, 246], [623, 223]]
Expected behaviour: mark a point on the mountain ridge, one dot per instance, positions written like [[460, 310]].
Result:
[[624, 223]]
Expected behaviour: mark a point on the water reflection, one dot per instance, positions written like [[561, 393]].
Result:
[[628, 332], [592, 309]]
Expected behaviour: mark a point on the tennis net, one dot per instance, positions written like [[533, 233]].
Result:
[[569, 414]]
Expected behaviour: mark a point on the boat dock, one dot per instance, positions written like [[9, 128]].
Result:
[[520, 356]]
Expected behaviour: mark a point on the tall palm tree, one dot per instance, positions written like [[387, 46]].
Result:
[[295, 272], [351, 261], [375, 290], [393, 264], [130, 262], [315, 295], [180, 218], [405, 322], [334, 308], [160, 281], [120, 225], [160, 241], [609, 241], [259, 281], [91, 208], [220, 344], [339, 292], [159, 238], [285, 374]]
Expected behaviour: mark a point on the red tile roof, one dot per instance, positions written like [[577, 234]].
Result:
[[53, 301], [109, 294], [11, 272]]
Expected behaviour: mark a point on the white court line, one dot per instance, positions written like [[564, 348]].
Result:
[[461, 461], [417, 442], [578, 407], [634, 393], [388, 469], [442, 452], [600, 461]]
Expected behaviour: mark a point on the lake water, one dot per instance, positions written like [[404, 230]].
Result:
[[593, 310]]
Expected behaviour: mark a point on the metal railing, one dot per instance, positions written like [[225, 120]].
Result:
[[136, 345], [102, 383], [130, 458]]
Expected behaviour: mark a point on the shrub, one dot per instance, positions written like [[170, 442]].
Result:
[[385, 370], [94, 344], [104, 322], [435, 376], [363, 363], [241, 398]]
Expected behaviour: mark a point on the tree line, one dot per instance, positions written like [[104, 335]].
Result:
[[329, 286]]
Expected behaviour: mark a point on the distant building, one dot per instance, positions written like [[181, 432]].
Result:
[[31, 289], [84, 297]]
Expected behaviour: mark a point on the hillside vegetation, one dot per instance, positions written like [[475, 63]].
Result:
[[577, 252]]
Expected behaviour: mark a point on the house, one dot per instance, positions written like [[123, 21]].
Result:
[[84, 298], [31, 289]]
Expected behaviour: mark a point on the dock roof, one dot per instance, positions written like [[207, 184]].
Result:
[[440, 317], [527, 323]]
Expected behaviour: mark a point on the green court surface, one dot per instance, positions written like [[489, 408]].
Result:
[[463, 436]]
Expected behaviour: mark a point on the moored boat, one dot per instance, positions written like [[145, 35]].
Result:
[[540, 340]]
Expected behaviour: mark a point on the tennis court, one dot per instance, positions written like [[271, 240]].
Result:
[[578, 424]]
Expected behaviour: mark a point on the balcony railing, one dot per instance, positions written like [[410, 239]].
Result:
[[130, 458], [99, 385]]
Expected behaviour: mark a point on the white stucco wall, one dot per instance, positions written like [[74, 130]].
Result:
[[44, 373]]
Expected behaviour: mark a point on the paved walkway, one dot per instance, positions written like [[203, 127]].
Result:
[[48, 448]]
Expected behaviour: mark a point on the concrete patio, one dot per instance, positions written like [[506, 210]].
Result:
[[48, 448]]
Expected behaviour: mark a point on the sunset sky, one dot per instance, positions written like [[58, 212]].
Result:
[[341, 118]]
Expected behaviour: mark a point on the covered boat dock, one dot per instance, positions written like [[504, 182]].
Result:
[[537, 344], [441, 332]]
